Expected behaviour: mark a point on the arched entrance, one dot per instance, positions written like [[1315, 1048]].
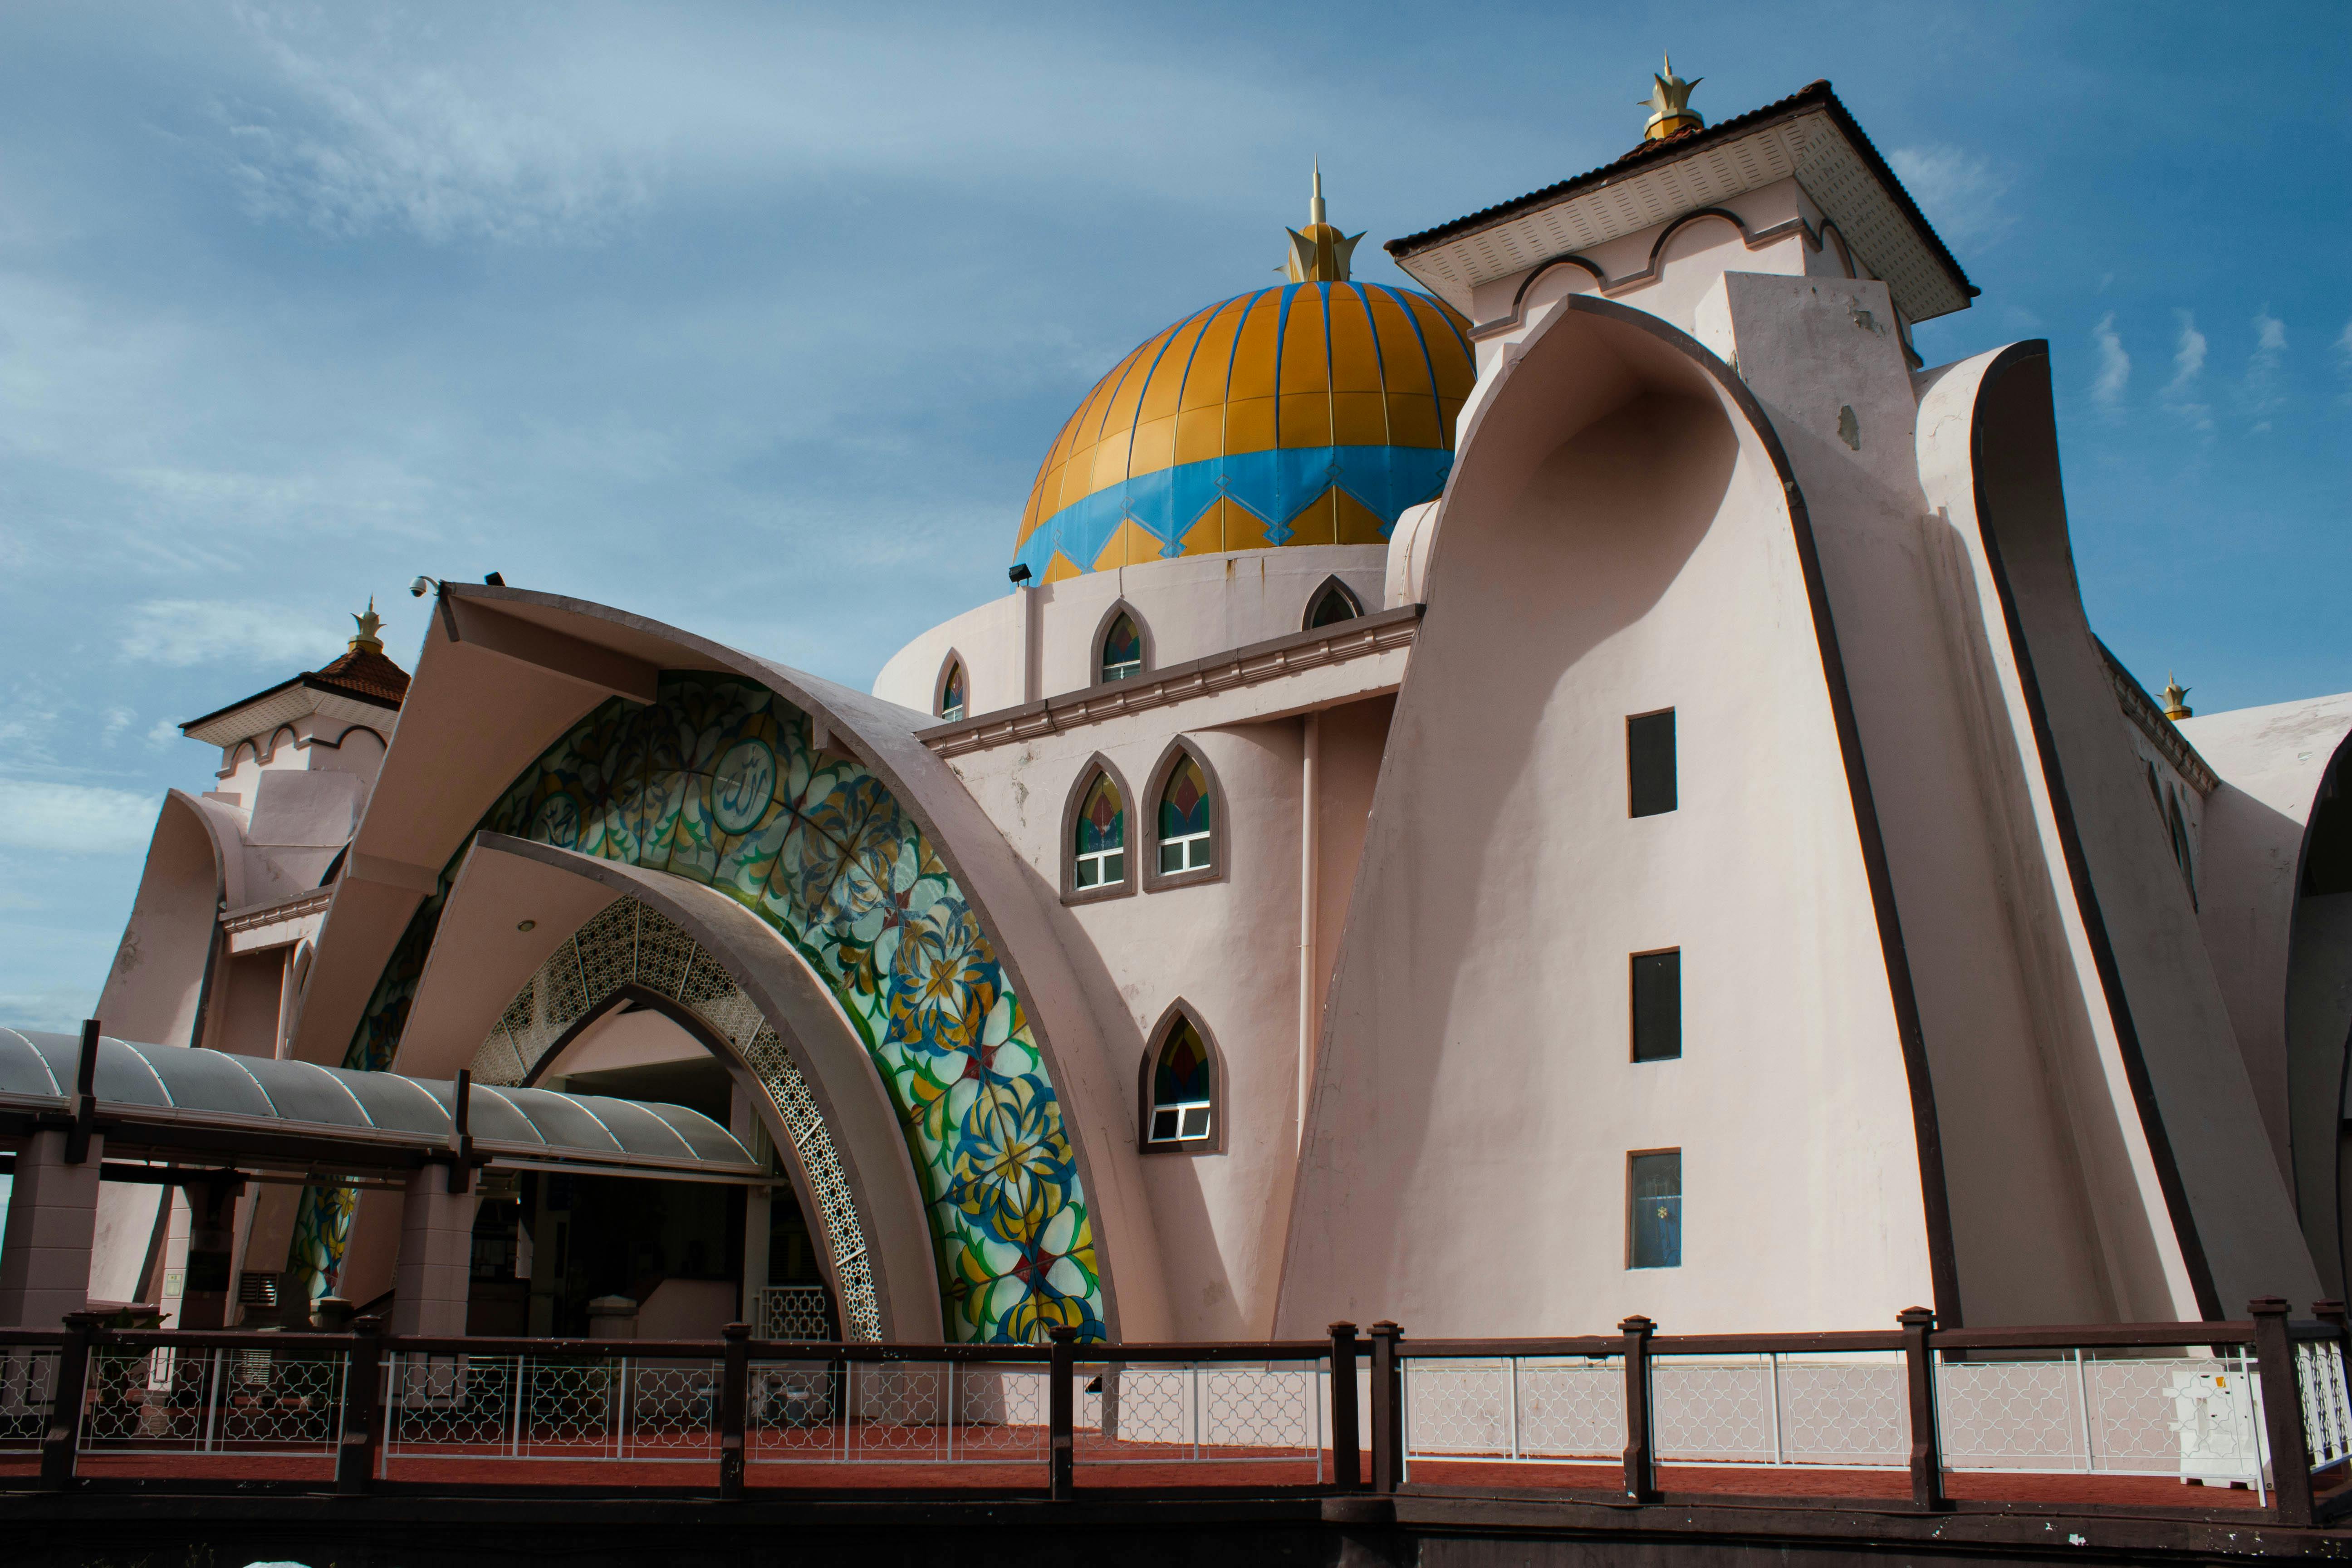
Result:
[[631, 953], [722, 783]]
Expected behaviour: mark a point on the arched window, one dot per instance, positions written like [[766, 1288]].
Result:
[[1331, 604], [952, 694], [1183, 1089], [1100, 843], [1122, 648], [1185, 813]]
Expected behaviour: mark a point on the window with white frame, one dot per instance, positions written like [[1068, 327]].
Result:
[[1182, 1088], [1099, 844]]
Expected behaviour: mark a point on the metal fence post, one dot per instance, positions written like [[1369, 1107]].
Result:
[[734, 1399], [1388, 1408], [2281, 1410], [1927, 1443], [60, 1438], [1346, 1459], [1061, 1413], [1640, 1459], [362, 1376]]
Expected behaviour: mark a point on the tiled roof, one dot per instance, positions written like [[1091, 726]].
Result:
[[370, 677], [357, 676], [1812, 95]]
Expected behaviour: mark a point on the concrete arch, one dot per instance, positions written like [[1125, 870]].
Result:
[[1615, 462], [2219, 1228], [161, 979], [772, 1021], [506, 673]]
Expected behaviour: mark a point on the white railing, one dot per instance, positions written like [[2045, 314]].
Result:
[[792, 1312]]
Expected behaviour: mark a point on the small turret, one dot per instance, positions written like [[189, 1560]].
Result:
[[1320, 253], [1669, 105]]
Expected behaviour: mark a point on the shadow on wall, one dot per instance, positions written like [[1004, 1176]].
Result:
[[1600, 531], [1182, 1213]]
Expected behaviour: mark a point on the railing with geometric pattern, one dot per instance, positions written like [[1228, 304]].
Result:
[[794, 1312], [2212, 1402]]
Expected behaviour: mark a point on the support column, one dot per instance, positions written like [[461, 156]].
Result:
[[52, 1224], [434, 1275], [1030, 658], [208, 1291], [1310, 877], [743, 1121]]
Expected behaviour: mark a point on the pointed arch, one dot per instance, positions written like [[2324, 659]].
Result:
[[1101, 650], [1331, 602], [1094, 870], [1189, 1096], [1199, 835], [951, 692]]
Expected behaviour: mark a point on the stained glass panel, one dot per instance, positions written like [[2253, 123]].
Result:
[[1181, 1088], [951, 693], [836, 866], [1102, 836], [1184, 820], [1331, 606], [1122, 652]]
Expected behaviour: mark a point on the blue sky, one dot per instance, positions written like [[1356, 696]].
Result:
[[760, 320]]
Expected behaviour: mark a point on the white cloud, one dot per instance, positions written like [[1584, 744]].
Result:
[[2115, 365], [376, 143], [58, 1009], [2187, 365], [74, 819], [117, 719], [1961, 192], [162, 733], [2343, 345], [2261, 388], [183, 632]]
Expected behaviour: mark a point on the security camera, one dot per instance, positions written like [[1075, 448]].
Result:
[[416, 590]]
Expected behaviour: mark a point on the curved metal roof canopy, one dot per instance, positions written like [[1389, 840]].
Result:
[[173, 1098]]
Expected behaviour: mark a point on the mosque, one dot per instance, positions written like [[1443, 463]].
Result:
[[1581, 787]]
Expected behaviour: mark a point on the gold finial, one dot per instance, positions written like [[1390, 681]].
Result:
[[1669, 105], [2176, 698], [1320, 253], [370, 624]]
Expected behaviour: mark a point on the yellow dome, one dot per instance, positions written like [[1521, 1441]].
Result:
[[1309, 412]]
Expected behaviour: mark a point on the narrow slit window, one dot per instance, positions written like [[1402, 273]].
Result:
[[1657, 1007], [951, 692], [1101, 846], [1122, 650], [1650, 763], [1184, 826], [1182, 1093], [1654, 1226]]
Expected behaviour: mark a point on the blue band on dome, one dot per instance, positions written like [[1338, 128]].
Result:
[[1275, 486]]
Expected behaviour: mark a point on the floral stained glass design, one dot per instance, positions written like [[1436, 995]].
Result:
[[1184, 820], [1180, 1089], [951, 692], [1123, 651], [717, 782], [1101, 837]]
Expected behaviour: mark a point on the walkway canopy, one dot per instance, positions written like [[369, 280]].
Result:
[[174, 1102]]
